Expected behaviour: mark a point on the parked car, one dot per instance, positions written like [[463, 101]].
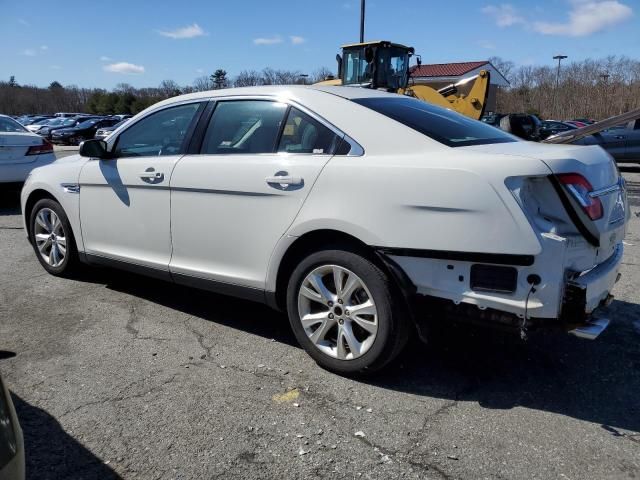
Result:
[[20, 151], [104, 132], [344, 207], [523, 125], [552, 127], [47, 122], [12, 460], [68, 114], [31, 119], [492, 119], [622, 143], [576, 123], [82, 131], [47, 132]]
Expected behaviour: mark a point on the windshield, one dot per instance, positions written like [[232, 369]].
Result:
[[441, 124], [10, 125]]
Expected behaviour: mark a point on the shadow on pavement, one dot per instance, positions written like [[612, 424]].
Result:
[[9, 200], [250, 317], [596, 381], [51, 453]]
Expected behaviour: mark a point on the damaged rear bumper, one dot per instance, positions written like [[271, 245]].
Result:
[[567, 300]]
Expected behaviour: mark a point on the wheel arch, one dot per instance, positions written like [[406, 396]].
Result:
[[34, 197], [316, 240]]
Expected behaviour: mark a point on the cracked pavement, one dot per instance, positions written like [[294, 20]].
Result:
[[121, 376]]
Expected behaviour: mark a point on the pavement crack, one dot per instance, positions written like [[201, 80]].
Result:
[[121, 397], [132, 322]]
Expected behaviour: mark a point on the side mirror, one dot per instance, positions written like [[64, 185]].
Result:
[[94, 149]]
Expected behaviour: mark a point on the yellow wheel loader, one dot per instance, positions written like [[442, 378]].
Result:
[[385, 65]]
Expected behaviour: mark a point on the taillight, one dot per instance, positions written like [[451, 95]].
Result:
[[45, 147], [580, 188]]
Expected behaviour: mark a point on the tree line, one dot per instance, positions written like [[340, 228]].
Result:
[[589, 88], [585, 89], [17, 99]]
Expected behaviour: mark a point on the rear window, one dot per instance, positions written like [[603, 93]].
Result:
[[444, 126], [10, 125]]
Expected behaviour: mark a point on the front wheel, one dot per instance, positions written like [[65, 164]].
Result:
[[52, 238], [344, 312]]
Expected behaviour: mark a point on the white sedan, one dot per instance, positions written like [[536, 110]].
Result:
[[20, 151], [346, 208]]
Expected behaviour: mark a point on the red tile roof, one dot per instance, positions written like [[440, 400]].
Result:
[[445, 69]]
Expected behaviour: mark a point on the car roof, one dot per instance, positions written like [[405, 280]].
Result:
[[285, 91]]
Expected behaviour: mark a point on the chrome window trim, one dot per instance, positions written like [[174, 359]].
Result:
[[356, 149]]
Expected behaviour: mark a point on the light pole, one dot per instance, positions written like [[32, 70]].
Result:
[[555, 92], [362, 20]]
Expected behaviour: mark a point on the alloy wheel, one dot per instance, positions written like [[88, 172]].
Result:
[[337, 312], [50, 237]]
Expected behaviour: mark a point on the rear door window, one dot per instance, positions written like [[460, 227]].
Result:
[[303, 134], [244, 127], [440, 124]]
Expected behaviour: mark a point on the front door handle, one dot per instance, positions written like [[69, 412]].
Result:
[[284, 180]]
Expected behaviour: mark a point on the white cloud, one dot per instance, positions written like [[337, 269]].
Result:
[[124, 67], [268, 40], [587, 17], [22, 21], [29, 52], [505, 15], [104, 58], [199, 70], [44, 48], [190, 31], [297, 40], [55, 67]]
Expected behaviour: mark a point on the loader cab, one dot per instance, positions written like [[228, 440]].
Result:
[[379, 65]]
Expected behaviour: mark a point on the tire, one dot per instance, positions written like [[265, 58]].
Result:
[[377, 333], [44, 213]]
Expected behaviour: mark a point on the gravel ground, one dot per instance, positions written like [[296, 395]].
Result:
[[119, 376]]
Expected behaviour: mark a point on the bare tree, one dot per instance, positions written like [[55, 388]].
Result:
[[202, 84]]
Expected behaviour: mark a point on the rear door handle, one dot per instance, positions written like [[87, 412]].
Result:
[[284, 180], [151, 175]]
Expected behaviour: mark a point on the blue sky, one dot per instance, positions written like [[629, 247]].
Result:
[[100, 44]]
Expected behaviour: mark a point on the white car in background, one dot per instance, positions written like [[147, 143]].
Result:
[[20, 151], [346, 208]]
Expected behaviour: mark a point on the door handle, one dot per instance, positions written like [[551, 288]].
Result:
[[620, 137], [284, 180], [151, 175]]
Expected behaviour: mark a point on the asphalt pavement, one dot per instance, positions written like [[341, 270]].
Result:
[[120, 376]]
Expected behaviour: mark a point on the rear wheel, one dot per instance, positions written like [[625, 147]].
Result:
[[52, 238], [344, 312]]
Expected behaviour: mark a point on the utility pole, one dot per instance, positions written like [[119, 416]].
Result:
[[362, 20], [555, 92]]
